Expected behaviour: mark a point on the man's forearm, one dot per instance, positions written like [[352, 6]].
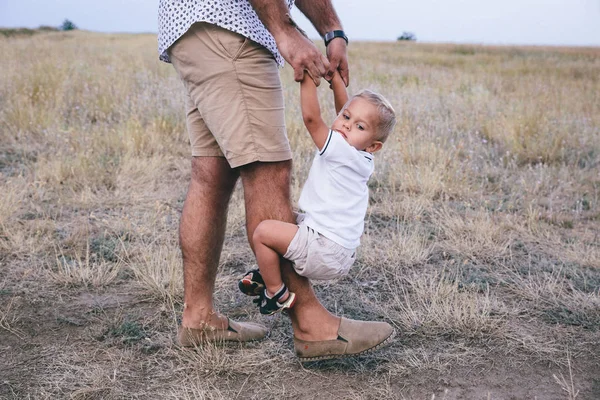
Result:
[[321, 13], [274, 14]]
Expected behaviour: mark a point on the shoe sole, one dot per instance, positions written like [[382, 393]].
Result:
[[187, 337], [378, 346]]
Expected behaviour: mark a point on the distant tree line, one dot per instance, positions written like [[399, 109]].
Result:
[[408, 36], [67, 25], [8, 32]]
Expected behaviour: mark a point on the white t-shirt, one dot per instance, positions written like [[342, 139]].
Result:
[[176, 16], [335, 196]]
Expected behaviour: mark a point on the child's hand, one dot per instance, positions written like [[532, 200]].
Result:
[[308, 75], [333, 77], [330, 84]]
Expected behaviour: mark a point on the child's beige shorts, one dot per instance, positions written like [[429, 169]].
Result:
[[234, 98], [316, 257]]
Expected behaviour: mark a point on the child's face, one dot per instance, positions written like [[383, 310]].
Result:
[[358, 125]]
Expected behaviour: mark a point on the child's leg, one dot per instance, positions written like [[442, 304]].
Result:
[[271, 240]]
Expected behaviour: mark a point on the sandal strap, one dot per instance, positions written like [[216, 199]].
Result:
[[280, 294]]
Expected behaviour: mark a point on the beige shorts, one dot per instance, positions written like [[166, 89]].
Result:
[[316, 257], [234, 97]]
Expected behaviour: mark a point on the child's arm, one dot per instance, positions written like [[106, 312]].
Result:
[[340, 93], [311, 111]]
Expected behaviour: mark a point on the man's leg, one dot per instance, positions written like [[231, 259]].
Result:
[[201, 235], [267, 196]]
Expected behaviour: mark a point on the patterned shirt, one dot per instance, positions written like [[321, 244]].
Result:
[[176, 16]]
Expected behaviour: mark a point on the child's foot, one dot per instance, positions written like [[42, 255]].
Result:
[[252, 283], [280, 301]]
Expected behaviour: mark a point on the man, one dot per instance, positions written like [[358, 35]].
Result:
[[226, 53]]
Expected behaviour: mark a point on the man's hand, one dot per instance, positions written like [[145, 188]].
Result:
[[324, 18], [296, 49], [302, 54], [338, 60]]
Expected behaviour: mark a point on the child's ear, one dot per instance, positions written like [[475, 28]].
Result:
[[374, 147]]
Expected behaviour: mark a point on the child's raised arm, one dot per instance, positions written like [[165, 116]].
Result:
[[340, 93], [311, 111]]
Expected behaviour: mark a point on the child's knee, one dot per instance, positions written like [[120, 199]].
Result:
[[260, 232]]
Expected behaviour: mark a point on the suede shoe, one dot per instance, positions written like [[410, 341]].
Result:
[[354, 338], [235, 331]]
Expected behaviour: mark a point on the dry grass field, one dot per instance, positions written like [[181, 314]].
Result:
[[482, 240]]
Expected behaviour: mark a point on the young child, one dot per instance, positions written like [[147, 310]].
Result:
[[334, 198]]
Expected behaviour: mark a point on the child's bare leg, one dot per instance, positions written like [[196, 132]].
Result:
[[271, 240]]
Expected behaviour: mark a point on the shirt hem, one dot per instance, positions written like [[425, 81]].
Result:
[[163, 54]]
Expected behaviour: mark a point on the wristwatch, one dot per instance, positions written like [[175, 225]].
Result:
[[329, 36]]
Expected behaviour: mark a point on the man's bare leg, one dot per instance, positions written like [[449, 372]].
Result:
[[267, 196], [201, 235]]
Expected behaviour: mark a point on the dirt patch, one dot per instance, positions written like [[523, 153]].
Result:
[[114, 344]]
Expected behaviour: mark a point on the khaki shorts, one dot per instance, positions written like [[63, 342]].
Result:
[[234, 100], [316, 257]]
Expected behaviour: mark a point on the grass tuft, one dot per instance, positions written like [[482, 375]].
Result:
[[83, 271]]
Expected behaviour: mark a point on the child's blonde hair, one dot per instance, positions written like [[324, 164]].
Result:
[[387, 115]]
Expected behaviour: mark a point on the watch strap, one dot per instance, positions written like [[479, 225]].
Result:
[[329, 36]]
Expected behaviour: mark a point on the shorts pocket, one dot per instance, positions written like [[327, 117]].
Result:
[[347, 262], [232, 43], [326, 260], [331, 248]]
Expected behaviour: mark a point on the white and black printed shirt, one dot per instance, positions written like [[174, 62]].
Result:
[[176, 16]]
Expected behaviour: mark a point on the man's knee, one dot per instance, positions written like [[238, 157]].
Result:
[[267, 190], [213, 174], [267, 173], [267, 180]]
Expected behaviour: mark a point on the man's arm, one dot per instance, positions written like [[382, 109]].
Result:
[[322, 15], [324, 18], [311, 112], [297, 50], [340, 94]]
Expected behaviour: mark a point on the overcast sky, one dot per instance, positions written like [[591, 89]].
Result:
[[543, 22]]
